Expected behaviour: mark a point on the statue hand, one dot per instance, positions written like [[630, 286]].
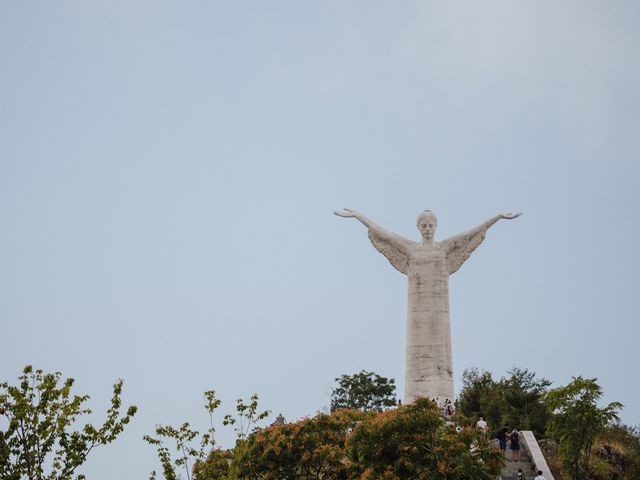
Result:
[[510, 216], [346, 213]]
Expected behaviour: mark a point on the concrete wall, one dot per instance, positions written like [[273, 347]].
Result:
[[530, 445]]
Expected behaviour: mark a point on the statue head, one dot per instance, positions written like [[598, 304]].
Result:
[[427, 223]]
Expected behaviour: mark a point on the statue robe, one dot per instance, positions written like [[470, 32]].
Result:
[[428, 362]]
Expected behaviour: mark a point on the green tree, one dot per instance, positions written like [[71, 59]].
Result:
[[40, 442], [410, 442], [215, 467], [206, 459], [576, 422], [313, 448], [247, 417], [480, 396], [414, 443], [363, 391], [182, 438], [522, 393], [515, 399]]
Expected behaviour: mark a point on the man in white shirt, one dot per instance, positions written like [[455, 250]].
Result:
[[539, 477], [481, 425]]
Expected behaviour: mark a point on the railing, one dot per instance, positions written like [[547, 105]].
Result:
[[531, 447]]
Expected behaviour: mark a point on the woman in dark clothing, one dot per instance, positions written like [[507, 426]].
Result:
[[502, 439], [514, 436]]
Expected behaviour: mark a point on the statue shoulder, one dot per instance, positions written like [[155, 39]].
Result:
[[460, 247], [397, 249]]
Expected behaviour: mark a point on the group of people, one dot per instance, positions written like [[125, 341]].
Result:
[[446, 407], [513, 438], [503, 437], [539, 476]]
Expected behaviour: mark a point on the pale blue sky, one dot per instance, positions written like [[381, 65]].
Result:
[[168, 172]]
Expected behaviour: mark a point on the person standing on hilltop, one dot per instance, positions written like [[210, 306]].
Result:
[[514, 436], [502, 439], [482, 427]]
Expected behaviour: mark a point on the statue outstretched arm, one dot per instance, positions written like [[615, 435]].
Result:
[[396, 248], [460, 247], [482, 228], [493, 220], [393, 239]]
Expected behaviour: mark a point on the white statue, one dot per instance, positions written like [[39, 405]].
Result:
[[427, 264]]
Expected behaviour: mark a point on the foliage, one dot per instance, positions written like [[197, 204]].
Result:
[[207, 460], [309, 449], [522, 394], [612, 458], [514, 400], [215, 466], [181, 438], [248, 416], [615, 454], [585, 443], [39, 443], [619, 446], [577, 421], [413, 442], [363, 391], [480, 396], [410, 442]]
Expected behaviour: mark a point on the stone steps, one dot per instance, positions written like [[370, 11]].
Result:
[[510, 470]]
